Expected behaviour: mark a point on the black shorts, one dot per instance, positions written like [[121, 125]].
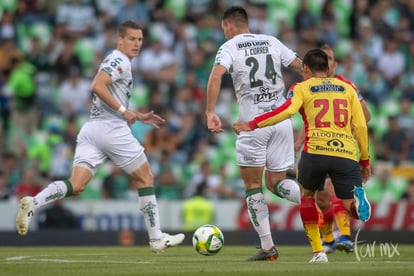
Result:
[[345, 173]]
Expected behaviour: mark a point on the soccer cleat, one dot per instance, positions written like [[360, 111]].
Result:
[[362, 205], [265, 255], [345, 244], [329, 247], [25, 215], [158, 245], [319, 257]]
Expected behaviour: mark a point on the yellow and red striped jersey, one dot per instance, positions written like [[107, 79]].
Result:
[[332, 115]]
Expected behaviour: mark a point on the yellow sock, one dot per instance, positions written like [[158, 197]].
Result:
[[343, 224], [313, 234], [327, 232]]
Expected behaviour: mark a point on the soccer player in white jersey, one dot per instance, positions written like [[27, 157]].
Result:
[[107, 135], [254, 62]]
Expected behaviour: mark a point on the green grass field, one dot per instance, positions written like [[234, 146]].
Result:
[[293, 260]]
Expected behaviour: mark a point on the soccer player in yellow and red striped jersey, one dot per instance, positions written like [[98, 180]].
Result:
[[332, 116], [331, 207]]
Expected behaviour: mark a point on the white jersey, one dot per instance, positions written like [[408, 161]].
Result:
[[254, 62], [118, 67]]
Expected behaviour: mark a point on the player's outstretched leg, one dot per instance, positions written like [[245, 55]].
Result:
[[288, 189], [265, 255], [25, 215], [166, 240], [362, 205]]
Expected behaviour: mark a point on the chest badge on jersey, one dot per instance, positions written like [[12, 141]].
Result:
[[264, 95]]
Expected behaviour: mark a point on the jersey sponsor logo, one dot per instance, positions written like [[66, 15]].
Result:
[[108, 70], [95, 111], [333, 135], [264, 96], [334, 145], [249, 44], [114, 63], [120, 70], [327, 86]]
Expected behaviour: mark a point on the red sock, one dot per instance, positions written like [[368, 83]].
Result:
[[310, 217], [328, 214]]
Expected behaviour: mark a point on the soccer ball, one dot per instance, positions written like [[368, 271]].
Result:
[[288, 189], [208, 240]]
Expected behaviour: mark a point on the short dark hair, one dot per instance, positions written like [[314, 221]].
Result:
[[316, 60], [129, 24], [237, 15]]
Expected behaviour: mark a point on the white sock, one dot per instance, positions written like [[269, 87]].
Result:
[[149, 208], [259, 217], [54, 191]]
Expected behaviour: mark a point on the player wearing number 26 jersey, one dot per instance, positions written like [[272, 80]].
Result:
[[318, 99], [332, 115]]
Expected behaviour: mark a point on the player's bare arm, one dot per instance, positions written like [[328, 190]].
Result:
[[296, 65], [213, 90], [100, 87]]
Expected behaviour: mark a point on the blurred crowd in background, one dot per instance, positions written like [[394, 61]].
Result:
[[50, 50]]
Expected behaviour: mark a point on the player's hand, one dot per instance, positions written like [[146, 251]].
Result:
[[214, 123], [150, 118], [241, 126], [129, 116], [365, 173]]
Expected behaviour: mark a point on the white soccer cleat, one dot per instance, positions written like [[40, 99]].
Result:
[[158, 246], [25, 215], [319, 258], [288, 189]]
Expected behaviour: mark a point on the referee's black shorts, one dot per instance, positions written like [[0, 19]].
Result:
[[345, 173]]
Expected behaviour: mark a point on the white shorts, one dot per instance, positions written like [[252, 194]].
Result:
[[101, 139], [272, 147]]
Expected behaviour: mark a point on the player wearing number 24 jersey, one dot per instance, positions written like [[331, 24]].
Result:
[[254, 62]]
